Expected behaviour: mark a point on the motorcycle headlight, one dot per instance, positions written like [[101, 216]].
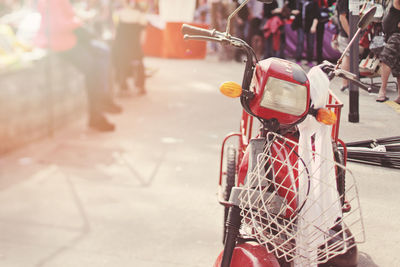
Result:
[[284, 96]]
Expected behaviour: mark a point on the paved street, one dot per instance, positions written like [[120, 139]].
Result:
[[145, 195]]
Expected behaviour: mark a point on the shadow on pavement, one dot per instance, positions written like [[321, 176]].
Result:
[[365, 260], [102, 163]]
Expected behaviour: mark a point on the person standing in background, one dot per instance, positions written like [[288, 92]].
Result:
[[202, 12], [390, 56], [241, 28], [342, 8], [61, 32], [310, 11], [297, 25], [216, 9], [275, 15], [306, 22], [127, 46], [322, 20], [255, 35]]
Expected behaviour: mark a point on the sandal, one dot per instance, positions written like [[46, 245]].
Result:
[[381, 99], [397, 100]]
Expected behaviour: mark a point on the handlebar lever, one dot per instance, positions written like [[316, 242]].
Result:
[[361, 85], [197, 31], [222, 40], [201, 38], [352, 78], [345, 74], [331, 71]]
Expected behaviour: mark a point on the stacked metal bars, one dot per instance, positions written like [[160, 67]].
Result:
[[379, 152]]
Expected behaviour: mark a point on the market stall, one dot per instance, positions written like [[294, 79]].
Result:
[[39, 93]]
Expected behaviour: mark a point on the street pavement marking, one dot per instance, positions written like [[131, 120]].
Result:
[[393, 105]]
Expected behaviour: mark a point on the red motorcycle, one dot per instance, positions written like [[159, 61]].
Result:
[[289, 201]]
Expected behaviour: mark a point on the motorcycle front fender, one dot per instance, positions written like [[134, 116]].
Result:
[[250, 255]]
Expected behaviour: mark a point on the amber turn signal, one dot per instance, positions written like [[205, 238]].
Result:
[[326, 116], [231, 89]]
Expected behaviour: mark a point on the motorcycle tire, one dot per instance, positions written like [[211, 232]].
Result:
[[340, 173], [230, 182], [347, 259]]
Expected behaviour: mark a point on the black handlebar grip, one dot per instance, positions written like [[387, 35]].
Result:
[[192, 30]]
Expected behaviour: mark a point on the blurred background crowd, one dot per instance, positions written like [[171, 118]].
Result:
[[266, 26], [107, 40], [297, 29]]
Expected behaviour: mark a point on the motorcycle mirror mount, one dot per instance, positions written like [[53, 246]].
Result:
[[363, 23], [228, 24]]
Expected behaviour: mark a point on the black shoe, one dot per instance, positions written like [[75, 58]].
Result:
[[101, 124], [112, 108]]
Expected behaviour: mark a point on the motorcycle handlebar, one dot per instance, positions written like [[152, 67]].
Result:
[[330, 70], [351, 78], [195, 33], [360, 84], [193, 30]]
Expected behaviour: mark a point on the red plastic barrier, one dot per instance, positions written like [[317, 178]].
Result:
[[153, 45], [169, 42]]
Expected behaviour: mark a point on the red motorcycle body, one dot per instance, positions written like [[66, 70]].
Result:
[[283, 175], [289, 74], [250, 255]]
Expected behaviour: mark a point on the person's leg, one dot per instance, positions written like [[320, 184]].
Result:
[[268, 47], [102, 69], [240, 30], [397, 100], [246, 29], [385, 73], [282, 45], [214, 15], [320, 40], [81, 57], [214, 23], [270, 42], [254, 29], [299, 45], [346, 66], [310, 47], [140, 76], [122, 76], [390, 63]]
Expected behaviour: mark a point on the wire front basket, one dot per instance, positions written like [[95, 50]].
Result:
[[293, 203]]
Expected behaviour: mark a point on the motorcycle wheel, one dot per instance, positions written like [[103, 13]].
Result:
[[230, 182], [347, 259], [340, 173]]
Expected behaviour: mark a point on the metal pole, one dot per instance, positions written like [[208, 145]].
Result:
[[354, 9]]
